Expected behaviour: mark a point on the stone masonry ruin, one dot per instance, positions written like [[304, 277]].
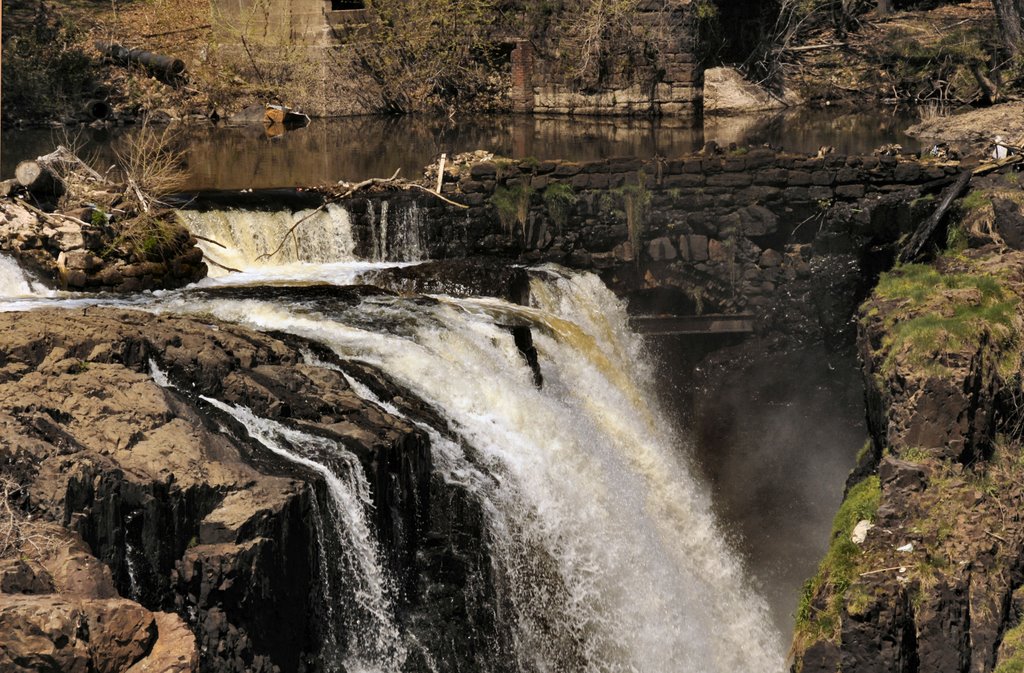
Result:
[[653, 73]]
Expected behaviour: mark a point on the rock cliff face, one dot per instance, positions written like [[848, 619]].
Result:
[[167, 529], [926, 552]]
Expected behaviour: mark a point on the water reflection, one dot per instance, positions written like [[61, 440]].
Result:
[[358, 148]]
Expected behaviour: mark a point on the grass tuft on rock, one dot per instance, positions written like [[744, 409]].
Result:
[[818, 615], [939, 314], [1011, 652]]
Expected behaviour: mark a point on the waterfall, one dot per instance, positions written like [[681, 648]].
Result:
[[245, 238], [606, 546], [324, 236], [346, 545], [375, 643], [396, 234], [13, 282]]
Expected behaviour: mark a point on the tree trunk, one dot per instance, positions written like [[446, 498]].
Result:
[[1010, 14]]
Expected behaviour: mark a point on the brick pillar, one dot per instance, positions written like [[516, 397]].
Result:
[[522, 77]]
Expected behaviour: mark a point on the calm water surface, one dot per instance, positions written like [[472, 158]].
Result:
[[359, 148]]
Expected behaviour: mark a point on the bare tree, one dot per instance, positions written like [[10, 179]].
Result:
[[1010, 14]]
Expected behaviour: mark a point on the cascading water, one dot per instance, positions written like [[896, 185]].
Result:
[[605, 546], [246, 236], [397, 233], [363, 605], [13, 282], [602, 547], [250, 239]]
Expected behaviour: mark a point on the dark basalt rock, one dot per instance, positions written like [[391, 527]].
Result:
[[188, 514], [470, 277], [931, 586]]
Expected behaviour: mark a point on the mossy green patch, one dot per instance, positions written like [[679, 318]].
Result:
[[974, 200], [512, 204], [819, 610], [1011, 652], [559, 200], [937, 315]]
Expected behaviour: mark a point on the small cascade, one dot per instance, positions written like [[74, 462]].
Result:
[[248, 236], [361, 602], [13, 282], [603, 546], [131, 557], [396, 234]]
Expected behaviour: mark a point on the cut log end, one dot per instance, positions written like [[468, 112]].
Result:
[[37, 178]]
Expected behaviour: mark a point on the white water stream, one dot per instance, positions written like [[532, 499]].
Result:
[[606, 547]]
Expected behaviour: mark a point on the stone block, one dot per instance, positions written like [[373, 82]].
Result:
[[684, 180], [734, 165], [625, 165], [661, 249], [717, 252], [907, 171], [624, 252], [796, 194], [567, 169], [847, 175], [799, 179], [770, 259], [484, 169], [850, 191], [730, 180], [757, 220], [693, 166], [82, 260], [820, 193], [776, 177], [69, 237], [821, 178], [760, 157]]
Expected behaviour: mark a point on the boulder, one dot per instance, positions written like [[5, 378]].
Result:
[[727, 92]]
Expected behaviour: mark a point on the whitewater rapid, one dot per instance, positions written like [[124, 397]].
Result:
[[610, 553]]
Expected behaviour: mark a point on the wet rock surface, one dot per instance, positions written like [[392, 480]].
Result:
[[182, 537]]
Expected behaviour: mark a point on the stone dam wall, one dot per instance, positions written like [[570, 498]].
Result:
[[718, 232]]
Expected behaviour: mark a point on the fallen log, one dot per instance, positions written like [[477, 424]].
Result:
[[165, 68], [916, 244], [38, 179]]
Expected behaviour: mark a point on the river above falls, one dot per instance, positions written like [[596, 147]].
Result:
[[244, 157]]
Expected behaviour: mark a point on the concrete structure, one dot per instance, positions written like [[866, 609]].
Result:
[[303, 40], [633, 81]]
